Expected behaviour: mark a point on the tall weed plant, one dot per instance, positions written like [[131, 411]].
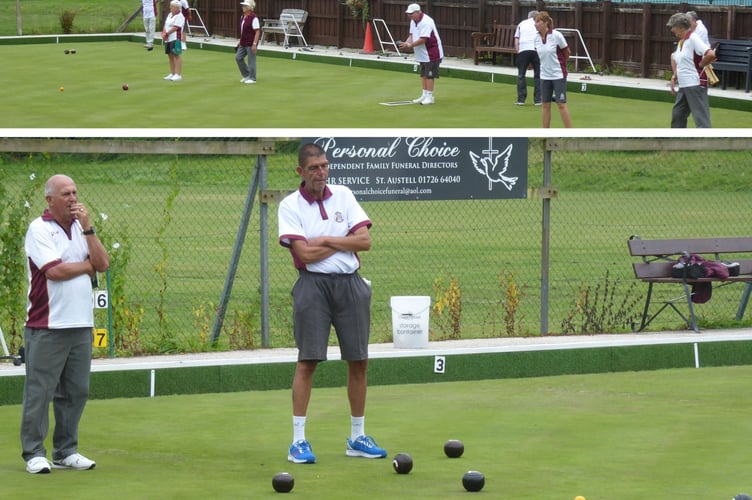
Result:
[[604, 308], [15, 216]]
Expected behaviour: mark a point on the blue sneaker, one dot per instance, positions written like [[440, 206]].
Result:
[[300, 453], [364, 447]]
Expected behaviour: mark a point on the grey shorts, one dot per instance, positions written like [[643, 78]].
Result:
[[555, 90], [320, 301], [430, 69]]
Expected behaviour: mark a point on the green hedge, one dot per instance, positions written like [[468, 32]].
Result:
[[406, 370]]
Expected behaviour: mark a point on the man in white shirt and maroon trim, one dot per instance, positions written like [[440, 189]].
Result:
[[63, 255], [426, 44], [324, 227]]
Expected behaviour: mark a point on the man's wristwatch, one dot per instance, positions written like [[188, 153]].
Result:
[[90, 231]]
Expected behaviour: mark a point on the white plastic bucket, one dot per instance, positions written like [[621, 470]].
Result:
[[410, 321]]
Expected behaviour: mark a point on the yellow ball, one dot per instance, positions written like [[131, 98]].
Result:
[[579, 497], [62, 88]]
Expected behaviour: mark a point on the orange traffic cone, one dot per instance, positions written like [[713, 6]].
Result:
[[368, 42]]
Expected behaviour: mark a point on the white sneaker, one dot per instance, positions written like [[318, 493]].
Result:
[[38, 465], [176, 78], [427, 100], [75, 461], [419, 99], [168, 77], [250, 81], [242, 80]]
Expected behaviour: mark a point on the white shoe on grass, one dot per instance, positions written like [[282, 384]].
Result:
[[75, 462], [37, 465], [168, 77]]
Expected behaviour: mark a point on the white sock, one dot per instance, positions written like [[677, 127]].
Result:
[[429, 93], [298, 429], [425, 92], [357, 427]]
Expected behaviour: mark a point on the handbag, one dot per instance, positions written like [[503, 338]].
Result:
[[688, 266], [712, 77]]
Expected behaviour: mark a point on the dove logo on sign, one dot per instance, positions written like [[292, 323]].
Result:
[[494, 165]]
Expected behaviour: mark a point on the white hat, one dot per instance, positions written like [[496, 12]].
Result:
[[413, 7], [247, 3]]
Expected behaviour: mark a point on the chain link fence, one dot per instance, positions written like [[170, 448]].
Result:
[[169, 213]]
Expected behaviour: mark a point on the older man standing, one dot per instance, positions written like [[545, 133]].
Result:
[[64, 254], [524, 42], [426, 44]]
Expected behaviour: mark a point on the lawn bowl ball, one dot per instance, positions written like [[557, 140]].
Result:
[[125, 86], [742, 496], [67, 51], [283, 482], [72, 51], [454, 448], [402, 463], [473, 480]]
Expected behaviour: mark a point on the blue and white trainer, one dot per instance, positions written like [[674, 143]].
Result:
[[365, 447], [301, 453]]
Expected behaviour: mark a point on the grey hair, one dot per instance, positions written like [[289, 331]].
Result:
[[532, 14], [692, 15], [680, 20], [176, 3]]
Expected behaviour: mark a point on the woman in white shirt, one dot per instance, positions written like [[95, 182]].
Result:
[[171, 33], [688, 64], [553, 52]]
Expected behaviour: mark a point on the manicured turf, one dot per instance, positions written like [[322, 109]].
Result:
[[627, 436], [289, 94]]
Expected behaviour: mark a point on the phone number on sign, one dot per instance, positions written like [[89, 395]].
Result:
[[435, 179]]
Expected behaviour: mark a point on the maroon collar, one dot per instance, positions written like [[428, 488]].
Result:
[[310, 199], [48, 217]]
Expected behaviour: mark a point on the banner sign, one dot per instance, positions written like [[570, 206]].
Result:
[[427, 168]]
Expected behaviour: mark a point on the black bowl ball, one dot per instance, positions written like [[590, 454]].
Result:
[[473, 480], [454, 448], [283, 482], [402, 463]]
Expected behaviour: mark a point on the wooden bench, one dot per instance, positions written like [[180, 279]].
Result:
[[290, 25], [734, 56], [500, 41], [657, 258]]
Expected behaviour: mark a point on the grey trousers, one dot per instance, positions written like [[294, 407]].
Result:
[[692, 100], [246, 70], [58, 364]]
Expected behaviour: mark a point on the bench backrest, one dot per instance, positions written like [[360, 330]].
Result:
[[504, 35], [651, 250], [298, 15], [667, 248], [734, 51]]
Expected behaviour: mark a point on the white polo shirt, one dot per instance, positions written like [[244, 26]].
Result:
[[174, 20], [56, 304], [527, 34], [432, 50], [689, 52], [338, 214], [551, 53]]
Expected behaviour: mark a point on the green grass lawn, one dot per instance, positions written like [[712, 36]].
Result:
[[289, 94], [625, 436]]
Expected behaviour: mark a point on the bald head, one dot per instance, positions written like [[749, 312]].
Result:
[[53, 184]]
